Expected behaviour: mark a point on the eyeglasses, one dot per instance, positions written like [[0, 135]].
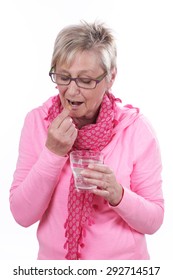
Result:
[[86, 83]]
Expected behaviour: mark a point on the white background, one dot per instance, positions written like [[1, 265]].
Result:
[[28, 29]]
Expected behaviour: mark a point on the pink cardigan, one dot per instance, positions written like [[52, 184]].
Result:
[[40, 187]]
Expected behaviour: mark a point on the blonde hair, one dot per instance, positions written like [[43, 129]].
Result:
[[85, 37]]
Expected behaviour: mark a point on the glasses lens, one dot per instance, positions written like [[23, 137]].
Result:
[[62, 79], [86, 83]]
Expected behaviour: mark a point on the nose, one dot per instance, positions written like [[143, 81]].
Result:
[[73, 89]]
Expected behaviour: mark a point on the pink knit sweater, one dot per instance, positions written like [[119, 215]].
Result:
[[39, 191]]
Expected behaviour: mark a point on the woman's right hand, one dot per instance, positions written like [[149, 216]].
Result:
[[62, 134]]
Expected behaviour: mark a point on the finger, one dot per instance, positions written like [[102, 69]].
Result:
[[92, 174], [99, 183], [71, 130], [103, 193], [99, 172], [100, 168], [74, 135], [61, 117], [66, 125]]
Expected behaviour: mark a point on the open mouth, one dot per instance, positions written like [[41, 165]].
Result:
[[74, 103]]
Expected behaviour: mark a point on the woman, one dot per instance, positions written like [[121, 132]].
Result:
[[109, 222]]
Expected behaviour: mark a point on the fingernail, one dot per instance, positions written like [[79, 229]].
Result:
[[90, 166]]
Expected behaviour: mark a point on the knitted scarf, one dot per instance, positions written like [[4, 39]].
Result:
[[80, 204]]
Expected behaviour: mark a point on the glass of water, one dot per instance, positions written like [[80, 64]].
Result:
[[80, 160]]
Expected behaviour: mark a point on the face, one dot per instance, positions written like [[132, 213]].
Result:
[[85, 103]]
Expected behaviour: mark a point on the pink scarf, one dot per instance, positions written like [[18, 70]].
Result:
[[80, 204]]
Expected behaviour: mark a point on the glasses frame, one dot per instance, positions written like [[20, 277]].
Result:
[[97, 80]]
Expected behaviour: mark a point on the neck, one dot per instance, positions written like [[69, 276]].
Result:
[[80, 122]]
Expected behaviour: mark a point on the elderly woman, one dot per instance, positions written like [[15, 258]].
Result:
[[109, 222]]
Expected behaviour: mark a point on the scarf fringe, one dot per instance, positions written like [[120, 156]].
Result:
[[76, 256]]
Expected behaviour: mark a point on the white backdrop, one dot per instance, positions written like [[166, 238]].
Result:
[[144, 38]]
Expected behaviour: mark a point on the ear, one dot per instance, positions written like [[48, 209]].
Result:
[[113, 74]]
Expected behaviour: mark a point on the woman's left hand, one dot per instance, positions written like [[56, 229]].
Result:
[[103, 177]]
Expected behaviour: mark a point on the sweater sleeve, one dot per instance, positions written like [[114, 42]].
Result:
[[36, 175], [142, 206]]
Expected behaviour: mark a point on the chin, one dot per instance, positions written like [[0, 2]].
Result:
[[74, 114]]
